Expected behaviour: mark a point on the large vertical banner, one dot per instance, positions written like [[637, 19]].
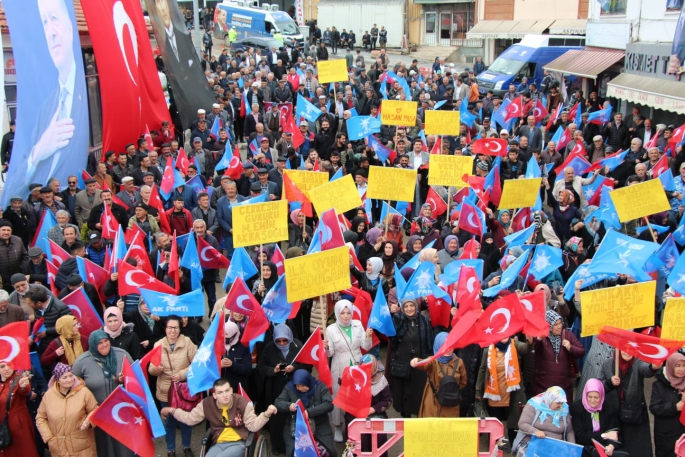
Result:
[[129, 86], [676, 63], [189, 87], [51, 139]]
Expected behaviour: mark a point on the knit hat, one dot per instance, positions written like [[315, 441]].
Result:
[[17, 277], [482, 165], [60, 369]]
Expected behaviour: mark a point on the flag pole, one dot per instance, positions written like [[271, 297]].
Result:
[[261, 264], [324, 314], [649, 226], [616, 356], [387, 215]]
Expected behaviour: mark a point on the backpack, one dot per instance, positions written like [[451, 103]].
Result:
[[448, 392]]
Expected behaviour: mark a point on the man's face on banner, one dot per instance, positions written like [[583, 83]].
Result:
[[163, 9], [58, 33]]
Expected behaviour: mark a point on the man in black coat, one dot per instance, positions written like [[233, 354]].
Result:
[[74, 282], [19, 218], [50, 309], [118, 211], [617, 134], [36, 263]]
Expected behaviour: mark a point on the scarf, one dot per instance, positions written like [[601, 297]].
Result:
[[107, 362], [389, 260], [303, 378], [511, 371], [283, 331], [437, 344], [565, 200], [147, 317], [669, 371], [116, 312], [231, 334], [339, 307], [269, 283], [499, 219], [573, 243], [551, 317], [542, 403], [594, 385], [293, 217], [395, 223], [373, 234], [378, 380], [410, 244], [449, 238], [376, 267], [70, 339]]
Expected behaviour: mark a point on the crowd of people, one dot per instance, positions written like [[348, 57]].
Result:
[[560, 386]]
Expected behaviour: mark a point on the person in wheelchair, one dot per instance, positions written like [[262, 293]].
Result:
[[231, 418], [318, 404]]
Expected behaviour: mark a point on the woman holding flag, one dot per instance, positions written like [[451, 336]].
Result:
[[668, 393]]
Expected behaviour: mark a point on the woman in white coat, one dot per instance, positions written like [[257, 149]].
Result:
[[344, 341]]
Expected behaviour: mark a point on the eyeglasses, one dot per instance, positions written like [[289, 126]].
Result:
[[173, 328]]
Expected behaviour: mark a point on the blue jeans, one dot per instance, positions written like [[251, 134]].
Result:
[[170, 427], [234, 449]]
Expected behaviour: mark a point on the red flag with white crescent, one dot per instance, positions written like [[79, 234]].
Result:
[[647, 348], [354, 395], [314, 353], [14, 345], [210, 257]]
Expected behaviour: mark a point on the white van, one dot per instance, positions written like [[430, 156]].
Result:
[[250, 19]]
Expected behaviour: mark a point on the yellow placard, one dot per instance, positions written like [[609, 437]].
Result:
[[260, 223], [673, 327], [428, 437], [640, 200], [340, 194], [520, 193], [306, 180], [332, 71], [441, 122], [390, 183], [394, 112], [317, 274], [625, 307], [446, 170]]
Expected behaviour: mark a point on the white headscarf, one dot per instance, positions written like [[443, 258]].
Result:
[[376, 267], [339, 307]]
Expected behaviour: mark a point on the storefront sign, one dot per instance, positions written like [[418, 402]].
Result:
[[649, 60], [607, 35]]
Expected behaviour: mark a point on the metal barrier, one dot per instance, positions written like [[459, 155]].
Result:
[[393, 429]]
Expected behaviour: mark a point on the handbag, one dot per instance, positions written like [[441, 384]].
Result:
[[631, 414], [399, 369], [5, 435], [179, 395]]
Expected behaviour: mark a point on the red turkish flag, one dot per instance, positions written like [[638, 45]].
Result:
[[330, 235], [294, 194], [600, 448], [121, 418], [439, 310], [437, 203], [490, 146], [469, 251], [650, 349], [514, 109], [313, 353], [52, 274], [97, 276], [354, 395], [534, 308], [182, 162], [210, 257], [278, 259], [579, 148], [168, 179], [673, 142], [521, 220], [469, 220], [256, 325], [164, 222], [174, 266], [137, 251], [149, 144], [130, 234], [120, 202], [540, 112], [155, 200], [437, 146], [110, 225], [153, 357], [59, 255], [459, 330], [502, 319], [131, 278], [240, 300], [661, 166], [242, 392], [84, 310], [467, 293], [14, 345]]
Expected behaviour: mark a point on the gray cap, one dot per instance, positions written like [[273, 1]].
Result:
[[16, 198], [256, 187], [197, 139], [262, 170], [35, 252], [247, 164]]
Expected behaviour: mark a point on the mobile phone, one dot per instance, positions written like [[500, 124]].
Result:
[[282, 366]]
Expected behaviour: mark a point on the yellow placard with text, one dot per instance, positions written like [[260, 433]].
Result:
[[673, 327], [446, 170], [395, 112], [520, 193], [625, 307], [332, 71], [317, 274], [306, 180], [390, 183], [428, 436], [340, 194], [640, 200], [260, 223], [441, 122]]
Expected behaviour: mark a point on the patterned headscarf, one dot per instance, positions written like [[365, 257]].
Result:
[[572, 243], [551, 317], [543, 402]]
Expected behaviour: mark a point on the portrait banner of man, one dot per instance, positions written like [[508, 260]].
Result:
[[189, 87], [51, 138], [676, 64]]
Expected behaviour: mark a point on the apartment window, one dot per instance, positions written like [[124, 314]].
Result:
[[94, 101], [615, 6], [674, 5]]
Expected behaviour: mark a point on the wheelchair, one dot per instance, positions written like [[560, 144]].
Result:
[[259, 448]]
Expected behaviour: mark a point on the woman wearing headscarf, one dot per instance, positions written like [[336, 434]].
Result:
[[427, 227], [556, 303], [62, 418], [360, 227], [414, 246], [373, 245], [544, 232], [568, 219], [395, 229], [626, 391], [18, 385], [431, 255], [145, 324], [276, 367], [343, 343], [573, 256], [68, 345], [554, 356], [101, 370], [317, 402], [500, 226], [121, 334], [500, 381], [371, 279], [595, 419], [389, 257], [666, 405], [489, 253], [236, 361], [449, 253], [266, 282], [546, 416], [413, 338], [446, 365], [299, 234], [494, 278]]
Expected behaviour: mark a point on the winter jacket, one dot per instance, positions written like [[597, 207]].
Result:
[[555, 369], [436, 371], [128, 341], [59, 421], [54, 311], [181, 357], [667, 426], [582, 424], [12, 255]]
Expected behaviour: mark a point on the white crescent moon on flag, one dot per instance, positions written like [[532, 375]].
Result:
[[661, 353], [507, 315], [470, 284], [55, 256], [499, 146], [315, 353], [121, 18], [537, 111], [129, 278], [356, 310], [515, 108], [239, 301], [76, 309], [470, 221], [527, 304], [117, 408], [14, 345], [202, 254], [356, 368]]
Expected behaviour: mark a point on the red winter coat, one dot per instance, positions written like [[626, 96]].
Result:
[[19, 420], [555, 370]]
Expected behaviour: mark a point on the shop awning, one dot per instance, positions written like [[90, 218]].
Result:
[[568, 27], [587, 64], [657, 93], [436, 2], [507, 29]]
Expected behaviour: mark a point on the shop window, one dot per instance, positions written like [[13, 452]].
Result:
[[615, 7], [674, 5]]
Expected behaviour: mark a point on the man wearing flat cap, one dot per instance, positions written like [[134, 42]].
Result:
[[86, 200], [19, 217], [35, 264], [12, 254], [48, 204]]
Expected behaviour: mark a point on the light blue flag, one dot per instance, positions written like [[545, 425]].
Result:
[[606, 213], [550, 447], [275, 304], [677, 277], [385, 208], [667, 181], [241, 265], [191, 304], [679, 233], [451, 273], [191, 260], [148, 403], [520, 237], [508, 277], [362, 126], [204, 369], [42, 240], [380, 318], [545, 260], [664, 259], [353, 112], [306, 110], [621, 254], [439, 104], [414, 261], [304, 438], [400, 283], [533, 169], [261, 198], [499, 115], [422, 284], [337, 175], [657, 228]]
